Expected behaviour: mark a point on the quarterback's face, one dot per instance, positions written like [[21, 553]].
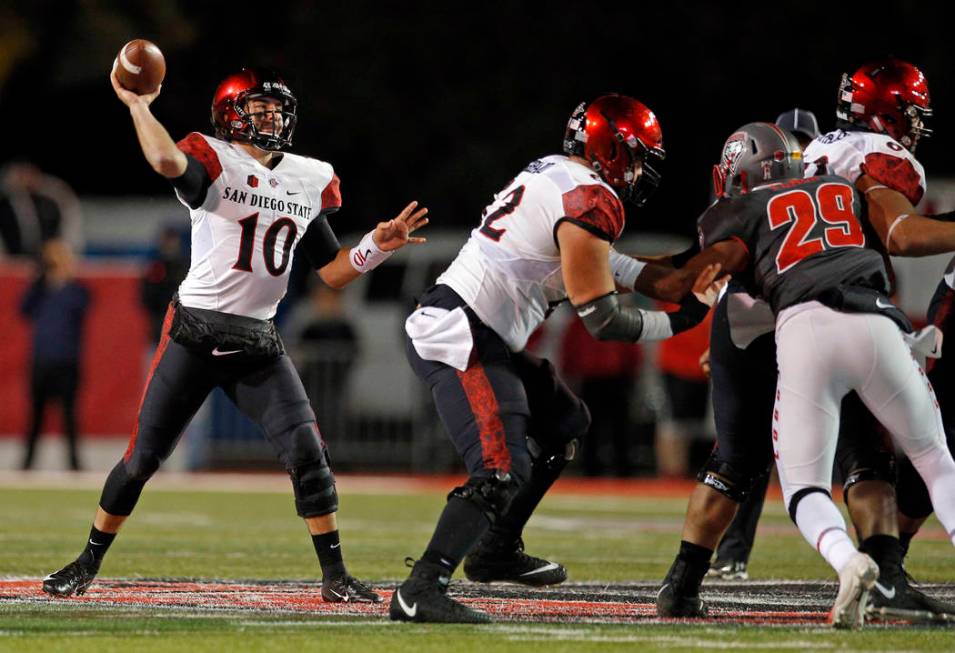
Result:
[[266, 115]]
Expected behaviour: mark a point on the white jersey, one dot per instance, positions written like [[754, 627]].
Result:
[[851, 154], [244, 233], [509, 270]]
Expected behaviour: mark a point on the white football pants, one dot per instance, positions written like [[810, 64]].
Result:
[[824, 354]]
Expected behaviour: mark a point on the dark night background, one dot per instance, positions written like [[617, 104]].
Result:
[[445, 102]]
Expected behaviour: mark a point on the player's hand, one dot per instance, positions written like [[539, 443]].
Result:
[[707, 287], [705, 362], [396, 233], [126, 96]]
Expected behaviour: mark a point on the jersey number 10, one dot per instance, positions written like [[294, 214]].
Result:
[[247, 244], [800, 210]]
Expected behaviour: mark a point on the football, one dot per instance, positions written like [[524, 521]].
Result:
[[140, 66]]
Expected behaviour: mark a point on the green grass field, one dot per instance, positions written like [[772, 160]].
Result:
[[256, 535]]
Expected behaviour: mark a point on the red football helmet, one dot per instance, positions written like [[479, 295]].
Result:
[[888, 96], [615, 133], [230, 115]]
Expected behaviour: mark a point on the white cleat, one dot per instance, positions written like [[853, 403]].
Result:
[[855, 581]]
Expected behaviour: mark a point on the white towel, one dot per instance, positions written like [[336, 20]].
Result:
[[925, 343], [441, 335]]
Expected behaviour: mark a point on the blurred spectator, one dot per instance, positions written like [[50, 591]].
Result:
[[326, 345], [606, 374], [56, 305], [35, 207], [162, 278], [687, 389]]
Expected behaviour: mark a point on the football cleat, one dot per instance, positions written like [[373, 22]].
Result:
[[508, 563], [74, 578], [728, 570], [348, 589], [855, 581], [902, 596], [671, 603], [423, 598]]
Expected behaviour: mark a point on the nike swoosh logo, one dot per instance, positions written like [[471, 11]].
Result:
[[410, 611], [884, 592], [587, 311], [343, 597], [335, 546], [95, 543], [881, 304], [548, 567], [291, 193], [216, 352]]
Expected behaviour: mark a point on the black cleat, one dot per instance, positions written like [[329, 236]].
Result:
[[74, 578], [423, 598], [671, 603], [507, 562], [348, 589], [728, 570], [680, 595], [900, 595]]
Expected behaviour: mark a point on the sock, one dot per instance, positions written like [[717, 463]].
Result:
[[821, 523], [886, 550], [905, 539], [329, 550], [96, 546], [459, 528], [688, 569]]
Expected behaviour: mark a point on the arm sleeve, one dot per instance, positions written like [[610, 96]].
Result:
[[319, 243], [193, 184], [332, 196], [716, 224], [594, 208], [895, 172]]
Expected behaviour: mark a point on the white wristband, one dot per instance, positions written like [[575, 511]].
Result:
[[366, 256], [625, 269], [895, 223]]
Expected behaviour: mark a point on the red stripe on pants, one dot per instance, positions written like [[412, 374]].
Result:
[[160, 350], [483, 402]]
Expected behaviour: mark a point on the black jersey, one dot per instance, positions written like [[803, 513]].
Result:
[[804, 237]]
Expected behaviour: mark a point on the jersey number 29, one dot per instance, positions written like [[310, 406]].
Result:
[[801, 211]]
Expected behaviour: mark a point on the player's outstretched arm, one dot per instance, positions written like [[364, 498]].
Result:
[[900, 228], [158, 147], [376, 246], [673, 284], [586, 268]]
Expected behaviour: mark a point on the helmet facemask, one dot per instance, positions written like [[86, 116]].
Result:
[[247, 130]]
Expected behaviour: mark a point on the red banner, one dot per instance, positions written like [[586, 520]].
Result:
[[115, 342]]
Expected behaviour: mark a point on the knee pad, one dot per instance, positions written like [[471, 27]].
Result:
[[911, 494], [314, 487], [729, 481], [491, 494], [799, 496]]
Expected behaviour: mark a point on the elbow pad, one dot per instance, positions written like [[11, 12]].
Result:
[[605, 319]]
